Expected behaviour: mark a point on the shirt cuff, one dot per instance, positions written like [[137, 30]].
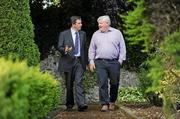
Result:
[[120, 61], [91, 62]]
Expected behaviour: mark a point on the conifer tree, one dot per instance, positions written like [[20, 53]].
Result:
[[137, 28], [16, 31]]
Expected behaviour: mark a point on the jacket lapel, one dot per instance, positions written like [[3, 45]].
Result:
[[81, 38], [70, 38]]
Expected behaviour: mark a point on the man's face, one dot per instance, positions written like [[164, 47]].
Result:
[[103, 26], [77, 25]]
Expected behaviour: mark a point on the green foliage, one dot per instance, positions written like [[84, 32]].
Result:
[[130, 94], [89, 81], [165, 59], [164, 72], [13, 90], [16, 31], [170, 88], [172, 47], [156, 71], [137, 28], [26, 93], [55, 2], [44, 94], [165, 19], [145, 83], [137, 31], [170, 85]]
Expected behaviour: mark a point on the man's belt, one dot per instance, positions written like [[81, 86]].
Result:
[[114, 59]]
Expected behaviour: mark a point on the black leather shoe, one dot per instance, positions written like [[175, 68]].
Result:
[[82, 108], [69, 108]]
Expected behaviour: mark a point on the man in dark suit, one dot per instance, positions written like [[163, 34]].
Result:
[[73, 62]]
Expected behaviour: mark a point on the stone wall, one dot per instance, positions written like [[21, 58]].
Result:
[[50, 64]]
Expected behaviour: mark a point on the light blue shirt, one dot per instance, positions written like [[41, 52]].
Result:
[[73, 32], [107, 45]]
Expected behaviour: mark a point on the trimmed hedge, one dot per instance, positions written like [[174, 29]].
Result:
[[44, 94], [16, 31], [26, 93], [13, 91]]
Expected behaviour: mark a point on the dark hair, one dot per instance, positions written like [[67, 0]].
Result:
[[74, 18]]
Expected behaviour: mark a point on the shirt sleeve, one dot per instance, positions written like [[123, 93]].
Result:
[[92, 50], [122, 49]]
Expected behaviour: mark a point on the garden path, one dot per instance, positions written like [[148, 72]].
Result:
[[93, 112]]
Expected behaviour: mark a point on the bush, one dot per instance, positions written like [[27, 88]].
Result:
[[145, 82], [16, 31], [44, 94], [13, 90], [130, 94], [164, 73], [25, 93]]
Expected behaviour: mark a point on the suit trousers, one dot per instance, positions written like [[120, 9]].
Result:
[[108, 69], [75, 77]]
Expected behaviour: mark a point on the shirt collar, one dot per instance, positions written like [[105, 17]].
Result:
[[73, 31], [109, 30]]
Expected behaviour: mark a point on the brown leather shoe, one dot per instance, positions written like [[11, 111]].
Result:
[[104, 108], [112, 106]]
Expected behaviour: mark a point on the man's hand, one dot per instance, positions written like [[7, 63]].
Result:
[[92, 67], [120, 61], [67, 49]]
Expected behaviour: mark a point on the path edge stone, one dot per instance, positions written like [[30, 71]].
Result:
[[128, 113]]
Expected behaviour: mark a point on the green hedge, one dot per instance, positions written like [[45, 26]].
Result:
[[16, 31], [25, 93], [44, 94], [13, 91]]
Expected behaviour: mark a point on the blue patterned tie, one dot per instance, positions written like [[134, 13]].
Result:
[[76, 43]]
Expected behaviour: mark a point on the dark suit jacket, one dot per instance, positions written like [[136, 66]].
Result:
[[67, 61]]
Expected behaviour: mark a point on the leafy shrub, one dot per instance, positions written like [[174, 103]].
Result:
[[16, 31], [164, 73], [130, 94], [25, 93], [43, 94], [13, 90], [145, 82]]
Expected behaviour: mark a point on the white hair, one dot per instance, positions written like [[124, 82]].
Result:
[[104, 18]]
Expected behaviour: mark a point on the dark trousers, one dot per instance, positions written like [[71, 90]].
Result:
[[108, 69], [74, 77]]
